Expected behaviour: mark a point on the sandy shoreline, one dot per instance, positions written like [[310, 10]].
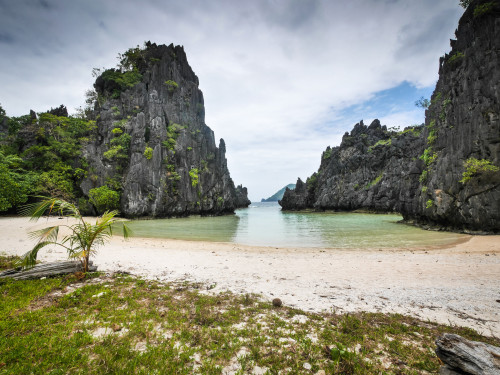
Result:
[[458, 284]]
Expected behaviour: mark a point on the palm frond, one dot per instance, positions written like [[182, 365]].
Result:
[[28, 260], [127, 232], [47, 206], [45, 234]]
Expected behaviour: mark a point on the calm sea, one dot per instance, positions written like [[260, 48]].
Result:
[[264, 224]]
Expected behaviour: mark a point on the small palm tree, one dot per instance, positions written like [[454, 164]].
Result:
[[83, 238]]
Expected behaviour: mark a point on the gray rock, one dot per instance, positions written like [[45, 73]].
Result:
[[417, 173], [170, 166]]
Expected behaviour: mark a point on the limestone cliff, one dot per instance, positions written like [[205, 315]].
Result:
[[420, 172], [151, 141]]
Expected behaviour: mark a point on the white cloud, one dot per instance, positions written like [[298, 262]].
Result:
[[273, 73]]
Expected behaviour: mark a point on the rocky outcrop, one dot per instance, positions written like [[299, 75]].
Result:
[[242, 197], [373, 169], [152, 143], [420, 172]]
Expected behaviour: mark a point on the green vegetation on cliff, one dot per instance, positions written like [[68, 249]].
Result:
[[41, 155]]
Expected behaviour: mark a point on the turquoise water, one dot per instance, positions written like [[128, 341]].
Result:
[[264, 224]]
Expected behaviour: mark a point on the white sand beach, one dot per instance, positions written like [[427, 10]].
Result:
[[458, 284]]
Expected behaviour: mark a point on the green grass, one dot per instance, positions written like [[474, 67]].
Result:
[[126, 325]]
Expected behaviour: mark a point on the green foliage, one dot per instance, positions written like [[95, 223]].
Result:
[[476, 167], [423, 176], [413, 130], [194, 175], [465, 3], [104, 198], [455, 58], [312, 182], [118, 148], [173, 131], [56, 183], [148, 153], [83, 238], [171, 85], [382, 142], [115, 81], [116, 111], [117, 131], [429, 203], [483, 9], [375, 181], [428, 156], [220, 202], [174, 176], [169, 144], [326, 154], [423, 103], [190, 148], [15, 183], [424, 189]]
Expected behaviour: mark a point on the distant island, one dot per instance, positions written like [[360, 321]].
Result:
[[279, 194]]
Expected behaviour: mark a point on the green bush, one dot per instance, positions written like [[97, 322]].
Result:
[[483, 9], [194, 174], [429, 203], [475, 167], [456, 57], [423, 176], [148, 153], [104, 199], [172, 85], [382, 142]]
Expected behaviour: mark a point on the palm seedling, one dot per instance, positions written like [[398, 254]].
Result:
[[82, 239]]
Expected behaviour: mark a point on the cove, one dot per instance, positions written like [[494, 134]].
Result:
[[264, 224]]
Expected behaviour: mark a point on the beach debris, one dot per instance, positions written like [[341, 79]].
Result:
[[462, 356], [277, 302], [46, 270]]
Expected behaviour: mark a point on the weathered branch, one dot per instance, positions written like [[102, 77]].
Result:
[[46, 270]]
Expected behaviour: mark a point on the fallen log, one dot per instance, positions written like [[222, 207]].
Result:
[[46, 270], [465, 357]]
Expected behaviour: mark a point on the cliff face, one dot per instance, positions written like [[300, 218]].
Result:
[[152, 142], [463, 122], [373, 169], [420, 172]]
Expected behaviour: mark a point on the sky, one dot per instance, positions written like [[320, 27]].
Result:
[[281, 79]]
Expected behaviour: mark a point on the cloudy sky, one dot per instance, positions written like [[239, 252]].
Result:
[[282, 79]]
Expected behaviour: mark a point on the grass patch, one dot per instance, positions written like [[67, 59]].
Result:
[[122, 324]]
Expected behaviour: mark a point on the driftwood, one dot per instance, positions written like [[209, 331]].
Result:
[[465, 357], [46, 270]]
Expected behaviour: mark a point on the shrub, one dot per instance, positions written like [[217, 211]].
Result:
[[428, 156], [382, 142], [148, 153], [475, 167], [194, 174], [423, 176], [327, 154], [171, 85], [429, 203], [483, 9], [456, 57], [104, 198], [117, 131]]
